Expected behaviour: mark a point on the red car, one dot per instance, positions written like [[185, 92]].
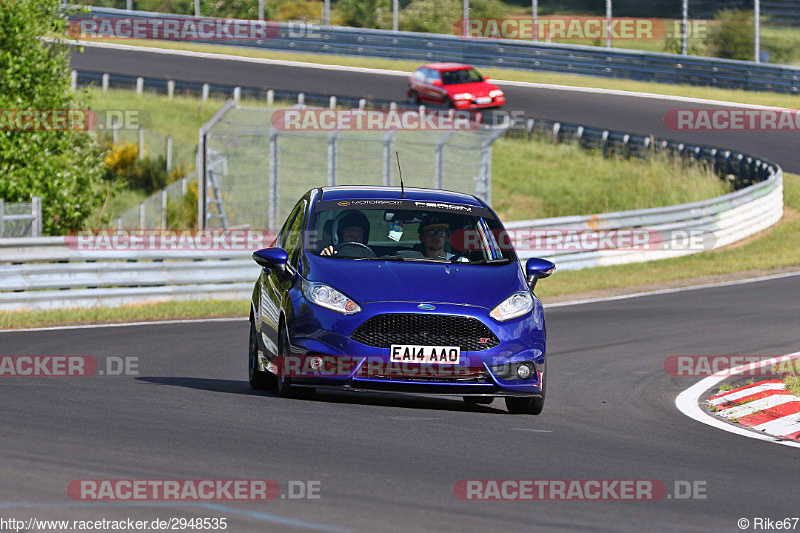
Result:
[[454, 85]]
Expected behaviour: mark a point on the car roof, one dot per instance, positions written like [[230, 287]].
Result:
[[394, 193], [447, 66]]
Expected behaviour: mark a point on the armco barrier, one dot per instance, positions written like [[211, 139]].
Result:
[[573, 59]]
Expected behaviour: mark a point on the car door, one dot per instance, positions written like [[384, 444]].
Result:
[[428, 91], [274, 285], [437, 91]]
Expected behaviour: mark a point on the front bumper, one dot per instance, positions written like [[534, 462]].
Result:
[[324, 356]]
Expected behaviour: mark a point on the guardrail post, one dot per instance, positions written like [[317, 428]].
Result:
[[36, 211], [2, 223], [301, 98], [270, 97], [529, 127], [206, 88], [579, 135], [163, 208], [332, 103], [141, 216], [105, 82], [170, 88], [362, 103], [141, 143], [73, 80], [139, 85], [605, 143], [626, 144], [556, 130], [237, 94], [169, 153], [393, 106], [332, 149]]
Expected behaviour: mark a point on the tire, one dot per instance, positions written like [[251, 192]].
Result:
[[285, 389], [258, 379], [478, 400], [529, 406], [414, 98]]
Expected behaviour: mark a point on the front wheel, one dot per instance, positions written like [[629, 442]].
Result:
[[414, 98], [530, 406], [258, 379], [285, 389]]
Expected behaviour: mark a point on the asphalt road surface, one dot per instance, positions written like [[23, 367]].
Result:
[[389, 463], [625, 113]]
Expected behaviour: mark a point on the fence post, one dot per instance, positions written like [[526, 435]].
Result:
[[556, 130], [439, 159], [332, 148], [206, 88], [170, 88], [2, 224], [605, 143], [36, 211], [362, 103], [237, 94], [73, 80], [301, 98], [387, 158], [332, 102], [270, 97], [183, 186], [273, 178], [163, 208], [141, 216], [139, 85], [141, 143], [105, 82], [169, 153]]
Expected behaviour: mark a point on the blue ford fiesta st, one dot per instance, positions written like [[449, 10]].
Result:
[[385, 289]]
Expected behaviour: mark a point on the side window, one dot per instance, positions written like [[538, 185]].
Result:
[[281, 240], [433, 75], [293, 233], [419, 74]]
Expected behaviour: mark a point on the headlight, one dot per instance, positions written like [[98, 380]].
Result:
[[517, 304], [463, 96], [329, 298], [495, 93]]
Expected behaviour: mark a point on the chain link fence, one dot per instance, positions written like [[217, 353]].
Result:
[[254, 172], [23, 219]]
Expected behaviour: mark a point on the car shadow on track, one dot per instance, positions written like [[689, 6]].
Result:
[[400, 400]]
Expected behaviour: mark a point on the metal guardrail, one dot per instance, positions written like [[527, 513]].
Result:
[[125, 277], [572, 59]]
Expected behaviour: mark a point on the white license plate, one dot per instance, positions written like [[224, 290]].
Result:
[[483, 100], [410, 353]]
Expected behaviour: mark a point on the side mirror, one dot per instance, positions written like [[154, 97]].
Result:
[[536, 269], [272, 258]]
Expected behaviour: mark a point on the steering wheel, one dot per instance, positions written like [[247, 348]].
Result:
[[359, 247]]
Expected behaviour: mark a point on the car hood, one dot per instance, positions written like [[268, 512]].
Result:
[[476, 89], [397, 281]]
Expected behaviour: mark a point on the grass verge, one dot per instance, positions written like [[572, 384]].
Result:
[[573, 80], [793, 384]]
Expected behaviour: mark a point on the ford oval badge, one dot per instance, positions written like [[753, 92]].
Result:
[[426, 307]]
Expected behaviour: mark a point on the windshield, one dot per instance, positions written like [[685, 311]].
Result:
[[407, 230], [455, 77]]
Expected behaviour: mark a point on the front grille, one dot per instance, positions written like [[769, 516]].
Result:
[[381, 331]]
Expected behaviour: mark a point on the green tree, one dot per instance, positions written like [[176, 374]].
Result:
[[62, 167], [733, 35]]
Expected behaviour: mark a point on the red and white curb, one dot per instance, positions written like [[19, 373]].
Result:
[[764, 411], [765, 406]]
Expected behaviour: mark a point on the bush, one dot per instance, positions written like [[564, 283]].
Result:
[[363, 13], [305, 10], [125, 169], [431, 16], [62, 167], [733, 35]]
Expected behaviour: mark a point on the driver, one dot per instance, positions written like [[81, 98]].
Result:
[[353, 227], [433, 233]]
